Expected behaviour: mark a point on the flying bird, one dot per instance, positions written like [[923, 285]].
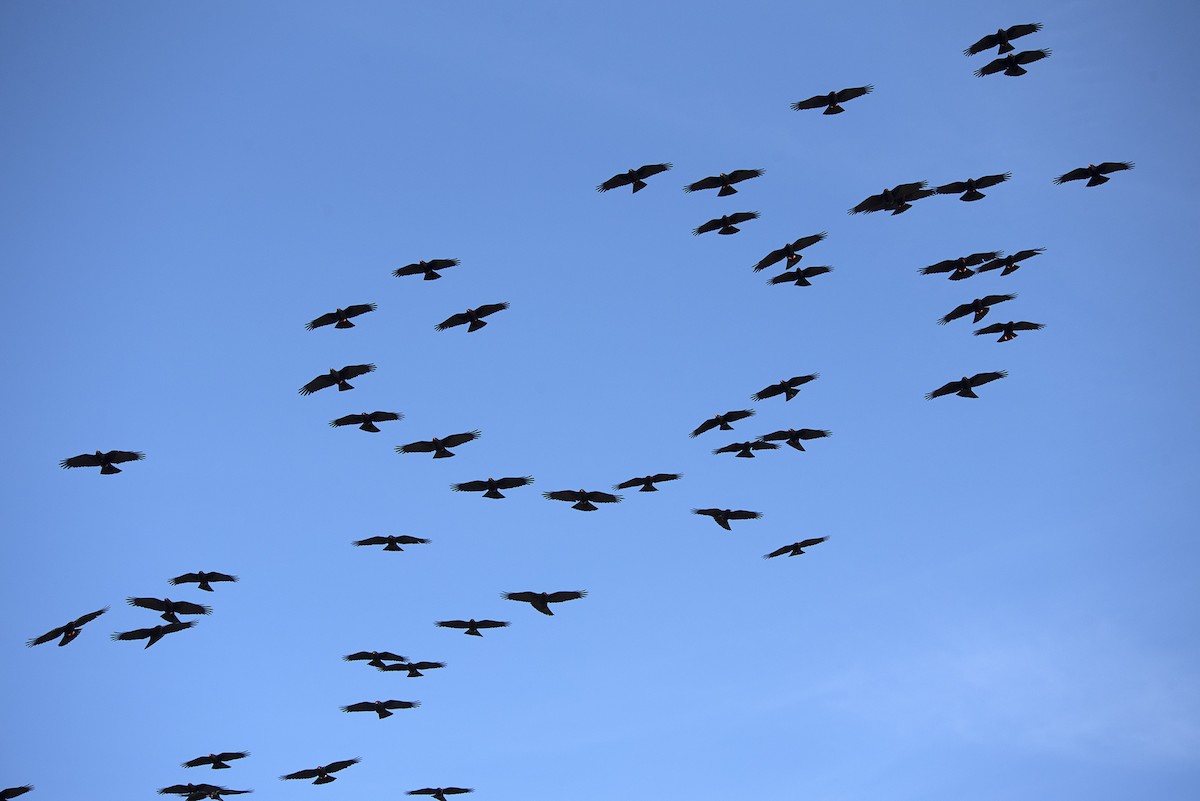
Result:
[[979, 307], [635, 177], [723, 516], [1009, 263], [196, 792], [725, 181], [339, 377], [216, 761], [788, 388], [960, 268], [13, 792], [392, 542], [897, 200], [646, 483], [153, 634], [375, 658], [1008, 331], [202, 578], [722, 421], [68, 631], [427, 268], [472, 626], [381, 708], [473, 316], [831, 100], [963, 387], [1011, 64], [440, 793], [800, 277], [169, 608], [1095, 173], [439, 447], [793, 436], [726, 224], [321, 772], [969, 189], [341, 317], [105, 461], [491, 487], [583, 500], [541, 600], [367, 420], [1001, 38], [744, 450], [413, 669], [796, 548], [790, 251]]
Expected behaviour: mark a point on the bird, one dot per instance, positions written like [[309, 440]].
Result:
[[1001, 38], [790, 251], [196, 792], [796, 548], [341, 317], [439, 447], [202, 578], [1009, 263], [491, 487], [897, 200], [722, 421], [583, 500], [960, 268], [67, 631], [169, 608], [216, 761], [440, 793], [375, 658], [963, 387], [831, 100], [339, 377], [472, 626], [646, 483], [726, 224], [792, 436], [392, 542], [725, 181], [723, 516], [413, 669], [1011, 64], [969, 189], [1095, 173], [980, 307], [472, 316], [366, 420], [787, 387], [800, 277], [321, 772], [153, 634], [105, 461], [1008, 331], [381, 708], [427, 268], [744, 450], [13, 792], [635, 177], [541, 600]]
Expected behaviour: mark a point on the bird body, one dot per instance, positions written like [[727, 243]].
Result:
[[321, 772], [723, 516], [790, 251], [646, 483], [745, 450], [722, 421], [366, 420], [216, 761], [724, 181], [153, 634], [391, 542], [413, 669], [1011, 64], [1008, 331], [832, 100], [491, 487], [897, 199], [964, 387], [979, 307], [789, 388], [381, 708], [960, 268], [341, 317], [202, 578], [472, 626], [1001, 38], [472, 318], [169, 608], [541, 600], [429, 269], [793, 436], [583, 500], [1095, 173], [636, 177], [725, 224], [107, 462], [374, 658], [439, 447], [67, 631], [969, 189], [796, 548], [1009, 263], [340, 378], [800, 277]]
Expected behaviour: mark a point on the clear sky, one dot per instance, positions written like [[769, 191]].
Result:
[[1007, 604]]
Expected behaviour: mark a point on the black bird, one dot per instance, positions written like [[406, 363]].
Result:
[[898, 199], [725, 181], [321, 772], [744, 449], [196, 792], [201, 578], [492, 486], [339, 377], [723, 516], [787, 388], [375, 658], [413, 669], [473, 316], [439, 447], [153, 634], [831, 100], [960, 268], [216, 761], [13, 792], [726, 224], [800, 277], [963, 388], [440, 793], [427, 268], [367, 420], [792, 436], [796, 548], [646, 483], [1009, 263], [722, 421], [105, 461], [979, 307], [790, 251], [969, 189], [583, 500], [1095, 173], [472, 626], [341, 317], [541, 600], [169, 608], [392, 542], [636, 177], [1011, 64], [67, 631], [1008, 331], [381, 708], [1001, 38]]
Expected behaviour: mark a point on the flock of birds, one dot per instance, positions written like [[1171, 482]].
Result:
[[896, 199]]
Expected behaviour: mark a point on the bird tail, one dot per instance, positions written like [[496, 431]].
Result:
[[638, 185], [1005, 48], [344, 324], [979, 315], [1012, 268], [833, 109], [1015, 70], [746, 454], [344, 385], [790, 393], [973, 194], [383, 713], [442, 453], [648, 488], [109, 469], [725, 426], [325, 779], [204, 585], [903, 207], [219, 765], [726, 190], [169, 617], [585, 506], [966, 392], [492, 493], [369, 426], [1095, 181], [392, 546], [1006, 337], [431, 275], [476, 325], [473, 632], [960, 275], [795, 443], [791, 260], [729, 229]]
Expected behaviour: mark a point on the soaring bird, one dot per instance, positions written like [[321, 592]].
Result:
[[636, 177], [68, 631], [960, 268], [392, 542], [202, 578], [744, 450], [722, 421], [979, 307], [788, 387], [472, 626], [367, 420], [105, 461], [440, 793], [725, 181], [792, 436], [321, 772], [1002, 37], [473, 316], [439, 447], [196, 792], [723, 516], [790, 251], [216, 761], [381, 708], [796, 548], [963, 387], [583, 500], [726, 224], [1008, 331], [153, 634], [898, 199], [492, 486], [969, 189], [341, 317], [831, 100], [13, 792], [375, 658], [541, 600], [1094, 172], [1011, 64], [427, 268], [339, 377], [169, 608], [800, 277], [1009, 263], [413, 669], [646, 483]]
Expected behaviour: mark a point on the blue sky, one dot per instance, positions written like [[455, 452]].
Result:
[[1007, 605]]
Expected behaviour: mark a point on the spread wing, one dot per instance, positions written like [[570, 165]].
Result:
[[1021, 255], [986, 43], [360, 308], [816, 101], [769, 392], [992, 67], [454, 440], [318, 383], [525, 597], [490, 624], [945, 389], [813, 433], [421, 446], [952, 188], [618, 180], [189, 608], [980, 258], [490, 308], [742, 514], [372, 541], [778, 552], [455, 319], [601, 497], [324, 319], [1076, 174], [711, 225], [646, 170], [349, 420], [979, 379], [992, 300], [565, 595], [355, 370], [89, 617], [1030, 56], [774, 257], [1026, 326], [513, 482], [742, 216], [853, 92], [53, 634], [361, 706], [711, 182], [994, 328], [813, 541], [1114, 166], [665, 477], [806, 241], [342, 764], [117, 457], [1018, 31], [742, 175], [958, 311], [470, 486], [991, 180], [563, 495], [453, 624], [383, 417], [308, 773], [82, 460]]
